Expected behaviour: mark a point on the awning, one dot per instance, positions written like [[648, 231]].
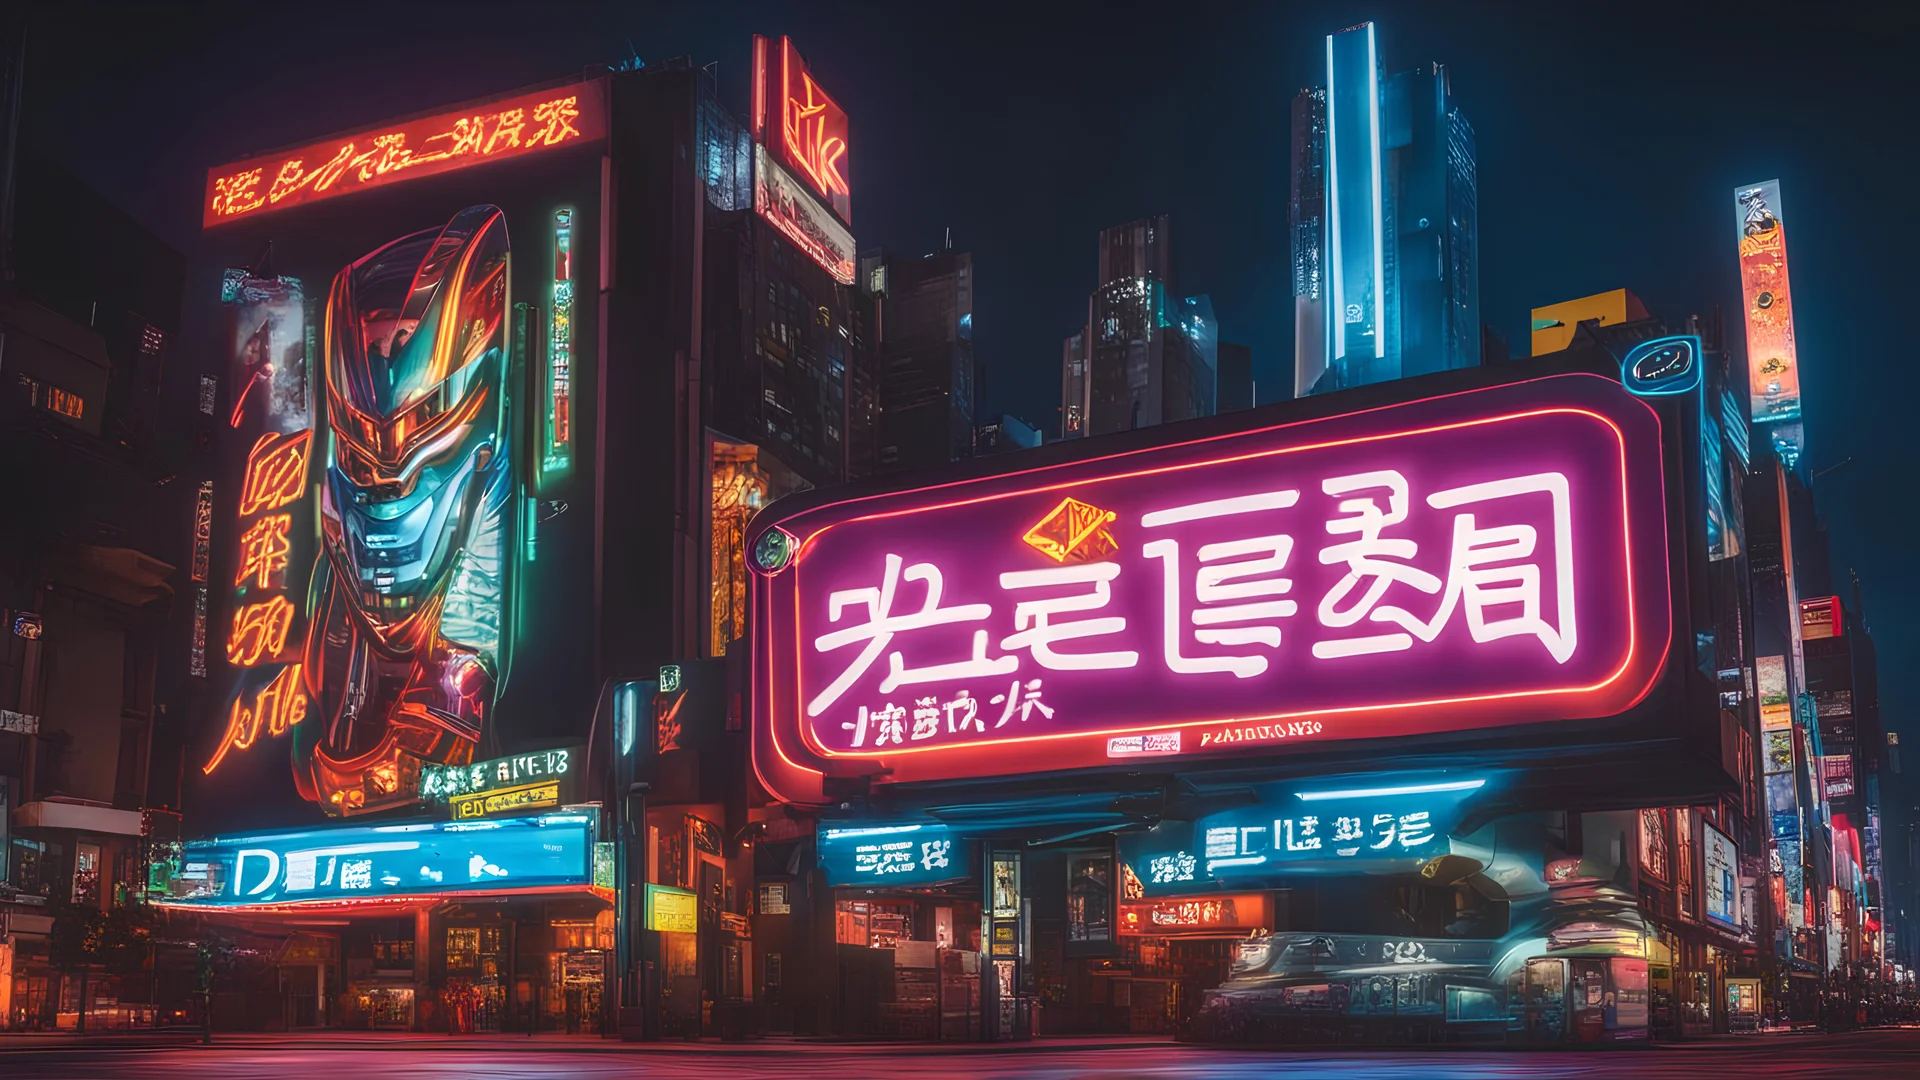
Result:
[[80, 817]]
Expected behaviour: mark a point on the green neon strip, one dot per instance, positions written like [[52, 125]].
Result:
[[556, 456]]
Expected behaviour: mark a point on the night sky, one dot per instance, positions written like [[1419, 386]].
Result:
[[1611, 137]]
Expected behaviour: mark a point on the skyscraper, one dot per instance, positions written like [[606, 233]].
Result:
[[1076, 389], [927, 375], [1385, 223], [1148, 357]]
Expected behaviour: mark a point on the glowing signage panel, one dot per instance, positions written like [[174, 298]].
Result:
[[386, 862], [1772, 358], [1776, 708], [496, 131], [506, 801], [440, 783], [890, 855], [807, 128], [789, 207], [1820, 618], [1395, 572], [1212, 914], [1384, 828], [671, 910]]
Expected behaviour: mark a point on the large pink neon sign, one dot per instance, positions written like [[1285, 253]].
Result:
[[1487, 558]]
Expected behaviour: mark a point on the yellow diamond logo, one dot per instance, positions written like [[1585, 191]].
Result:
[[1074, 530]]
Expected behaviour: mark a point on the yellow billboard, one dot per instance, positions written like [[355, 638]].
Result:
[[1553, 325]]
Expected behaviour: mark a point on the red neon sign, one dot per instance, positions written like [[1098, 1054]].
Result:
[[811, 136], [1199, 915], [561, 116], [1396, 572]]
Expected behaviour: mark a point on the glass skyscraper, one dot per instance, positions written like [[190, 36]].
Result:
[[1385, 223]]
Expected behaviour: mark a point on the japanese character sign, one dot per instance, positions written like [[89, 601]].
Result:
[[1488, 558], [493, 132]]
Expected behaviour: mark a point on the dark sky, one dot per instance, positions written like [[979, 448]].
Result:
[[1611, 137]]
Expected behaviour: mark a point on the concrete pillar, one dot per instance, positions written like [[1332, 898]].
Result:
[[422, 943]]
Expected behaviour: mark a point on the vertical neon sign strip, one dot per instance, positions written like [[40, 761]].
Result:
[[1379, 215], [1333, 217], [557, 456]]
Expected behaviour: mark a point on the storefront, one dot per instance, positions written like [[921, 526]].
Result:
[[487, 925], [909, 922]]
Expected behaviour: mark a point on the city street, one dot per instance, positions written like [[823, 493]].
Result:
[[1884, 1053]]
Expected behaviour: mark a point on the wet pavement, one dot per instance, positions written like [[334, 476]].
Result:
[[1878, 1053]]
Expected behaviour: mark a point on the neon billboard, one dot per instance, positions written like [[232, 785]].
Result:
[[268, 369], [1773, 361], [790, 208], [806, 128], [376, 649], [1402, 571], [476, 135]]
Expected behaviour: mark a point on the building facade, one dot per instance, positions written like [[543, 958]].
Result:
[[92, 435], [929, 378], [489, 432]]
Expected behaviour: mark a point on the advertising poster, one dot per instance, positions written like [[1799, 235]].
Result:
[[1776, 707], [1720, 877], [1820, 618], [395, 366], [1772, 359]]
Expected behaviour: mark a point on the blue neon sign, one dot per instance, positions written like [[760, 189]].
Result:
[[386, 861], [1330, 828], [887, 855], [1663, 366]]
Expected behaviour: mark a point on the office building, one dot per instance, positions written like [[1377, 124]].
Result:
[[927, 374], [1148, 354], [1385, 223]]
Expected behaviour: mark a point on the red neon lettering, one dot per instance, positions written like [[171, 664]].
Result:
[[278, 706], [259, 632]]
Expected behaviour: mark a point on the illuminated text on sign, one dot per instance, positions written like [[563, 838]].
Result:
[[1227, 603], [1483, 559], [525, 124]]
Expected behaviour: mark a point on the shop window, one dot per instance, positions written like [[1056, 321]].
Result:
[[463, 948], [86, 874], [393, 953], [575, 935], [743, 482]]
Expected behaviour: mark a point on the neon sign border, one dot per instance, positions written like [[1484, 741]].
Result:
[[1626, 660], [768, 692]]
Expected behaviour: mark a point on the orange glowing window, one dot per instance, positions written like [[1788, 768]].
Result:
[[489, 132], [263, 552], [276, 472], [259, 632], [64, 402], [278, 706]]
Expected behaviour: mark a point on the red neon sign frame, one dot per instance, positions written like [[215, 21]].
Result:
[[809, 132], [793, 756], [475, 135]]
